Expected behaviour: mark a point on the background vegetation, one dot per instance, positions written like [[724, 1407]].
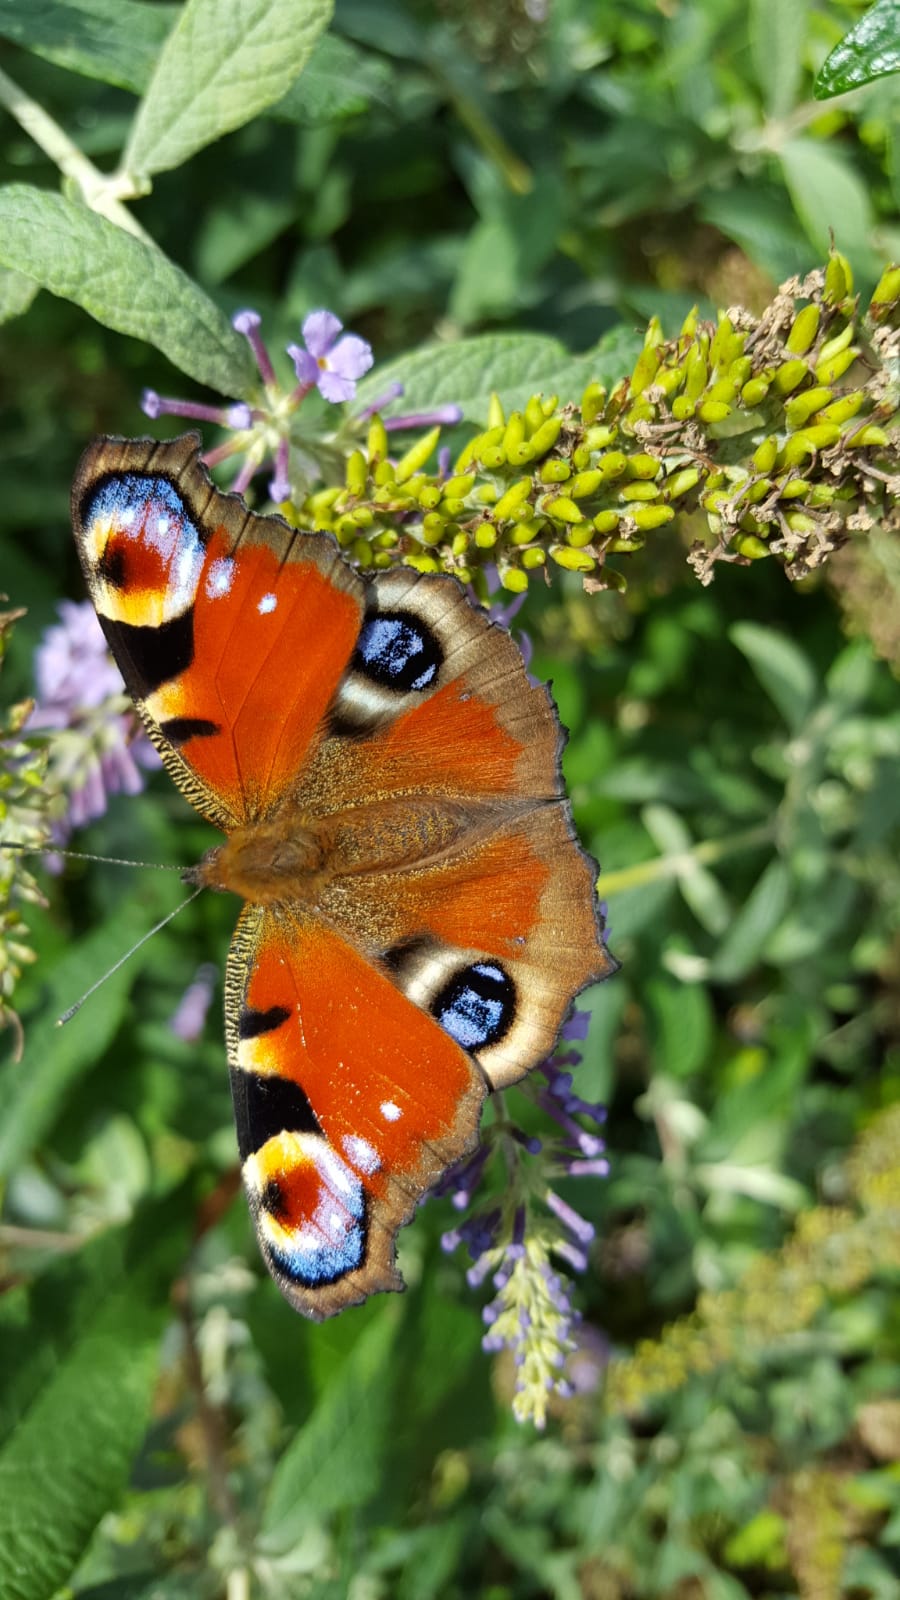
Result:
[[169, 1428]]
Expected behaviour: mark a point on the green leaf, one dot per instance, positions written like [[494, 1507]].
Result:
[[336, 1460], [829, 198], [338, 80], [756, 921], [116, 41], [66, 1462], [515, 365], [681, 1021], [123, 282], [54, 1058], [16, 294], [870, 50], [223, 63], [784, 671], [777, 37]]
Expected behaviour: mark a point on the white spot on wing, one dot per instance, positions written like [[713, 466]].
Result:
[[361, 1153], [389, 1111], [267, 604], [220, 577]]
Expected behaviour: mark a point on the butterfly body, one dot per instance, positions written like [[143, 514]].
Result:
[[418, 916]]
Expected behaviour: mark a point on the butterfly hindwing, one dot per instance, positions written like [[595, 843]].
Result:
[[349, 1104]]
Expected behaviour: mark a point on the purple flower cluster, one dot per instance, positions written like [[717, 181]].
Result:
[[512, 1243], [189, 1018], [328, 360], [100, 747]]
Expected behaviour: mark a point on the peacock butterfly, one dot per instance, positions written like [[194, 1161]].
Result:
[[418, 916]]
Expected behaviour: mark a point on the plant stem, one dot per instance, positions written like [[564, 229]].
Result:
[[98, 191], [673, 866]]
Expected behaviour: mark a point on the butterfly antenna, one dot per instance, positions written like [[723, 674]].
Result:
[[68, 1015], [49, 849]]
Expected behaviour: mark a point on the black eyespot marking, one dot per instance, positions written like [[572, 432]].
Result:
[[112, 566], [272, 1200], [267, 1106], [398, 651], [253, 1023], [179, 729], [151, 656], [477, 1006]]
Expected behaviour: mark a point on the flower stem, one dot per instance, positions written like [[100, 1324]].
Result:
[[672, 866], [99, 192]]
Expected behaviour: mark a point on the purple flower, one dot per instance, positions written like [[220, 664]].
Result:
[[330, 364], [99, 746], [189, 1019]]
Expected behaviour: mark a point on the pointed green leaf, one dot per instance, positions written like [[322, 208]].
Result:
[[54, 1057], [123, 282], [338, 80], [745, 942], [830, 198], [777, 38], [223, 63], [116, 41], [870, 50], [335, 1461], [66, 1462], [515, 365], [784, 671]]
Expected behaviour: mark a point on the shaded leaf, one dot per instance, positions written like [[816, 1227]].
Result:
[[829, 198], [116, 41], [783, 670], [335, 1460], [337, 81], [223, 63], [870, 50], [16, 294], [756, 921], [777, 37], [125, 283]]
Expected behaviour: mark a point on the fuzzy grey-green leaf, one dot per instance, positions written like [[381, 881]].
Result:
[[115, 41], [223, 63], [123, 282]]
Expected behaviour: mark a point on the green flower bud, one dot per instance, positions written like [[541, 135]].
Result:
[[382, 559], [581, 457], [464, 574], [592, 402], [740, 371], [526, 532], [696, 373], [514, 496], [713, 410], [754, 392], [607, 521], [534, 414], [388, 540], [496, 413], [799, 522], [612, 465], [518, 455], [428, 495], [648, 517], [580, 536], [680, 482], [376, 440], [485, 495], [515, 431], [808, 442], [545, 437], [433, 527], [789, 375], [493, 456], [586, 483], [383, 474], [843, 409], [460, 544], [764, 455], [757, 491], [617, 546], [838, 278], [362, 553], [641, 465], [871, 434], [670, 379], [417, 455], [683, 408], [573, 560], [599, 438], [830, 370], [794, 489], [689, 325], [640, 490], [803, 331], [645, 369], [421, 563], [562, 509], [513, 579], [460, 485], [555, 471], [345, 530], [887, 294], [804, 405], [533, 558], [485, 536], [746, 544], [452, 506], [357, 474]]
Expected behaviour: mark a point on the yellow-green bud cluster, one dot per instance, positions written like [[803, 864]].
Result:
[[770, 436]]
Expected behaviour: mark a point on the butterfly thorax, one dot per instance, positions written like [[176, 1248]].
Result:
[[293, 855]]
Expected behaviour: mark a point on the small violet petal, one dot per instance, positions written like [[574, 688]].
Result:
[[320, 329]]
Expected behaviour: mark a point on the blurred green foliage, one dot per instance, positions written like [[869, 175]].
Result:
[[734, 763]]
